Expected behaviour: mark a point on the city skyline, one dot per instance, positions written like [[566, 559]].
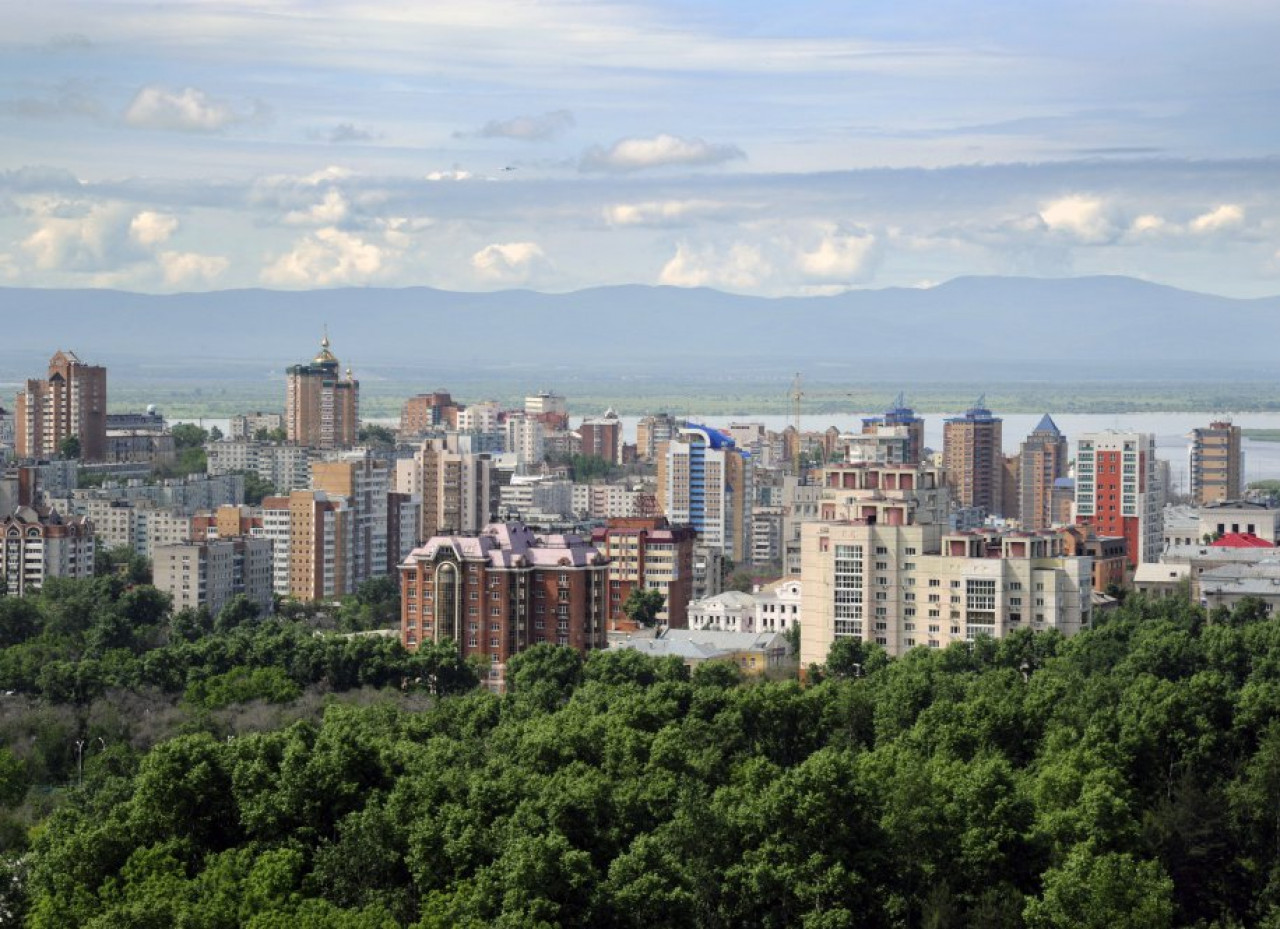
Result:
[[558, 146]]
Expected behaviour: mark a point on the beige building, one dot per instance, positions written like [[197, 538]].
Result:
[[1215, 463], [311, 535], [210, 573], [903, 586], [322, 407], [458, 489], [71, 402]]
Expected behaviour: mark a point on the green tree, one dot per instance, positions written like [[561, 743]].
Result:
[[188, 435], [643, 605], [377, 435], [1113, 890], [69, 447], [256, 488], [544, 674]]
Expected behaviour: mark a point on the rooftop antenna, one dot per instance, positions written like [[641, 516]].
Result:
[[797, 394]]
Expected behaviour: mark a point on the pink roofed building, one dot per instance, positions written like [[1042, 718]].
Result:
[[502, 591]]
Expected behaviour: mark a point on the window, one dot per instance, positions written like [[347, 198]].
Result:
[[881, 550], [955, 584], [909, 611], [934, 613], [848, 590], [934, 582], [910, 551], [882, 566]]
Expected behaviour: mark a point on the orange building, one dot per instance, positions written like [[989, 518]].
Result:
[[70, 403]]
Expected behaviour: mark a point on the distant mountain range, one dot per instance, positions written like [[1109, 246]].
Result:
[[1015, 327]]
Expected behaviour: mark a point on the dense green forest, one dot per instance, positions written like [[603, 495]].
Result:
[[1129, 776]]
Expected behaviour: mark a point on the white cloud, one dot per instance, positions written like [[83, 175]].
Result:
[[525, 128], [330, 211], [1084, 218], [454, 174], [399, 231], [663, 213], [1226, 216], [186, 110], [325, 258], [841, 256], [660, 151], [151, 228], [1149, 224], [183, 269], [76, 235], [510, 262], [740, 267]]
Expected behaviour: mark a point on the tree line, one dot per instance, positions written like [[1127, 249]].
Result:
[[1126, 777]]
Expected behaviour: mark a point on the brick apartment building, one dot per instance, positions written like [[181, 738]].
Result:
[[502, 591]]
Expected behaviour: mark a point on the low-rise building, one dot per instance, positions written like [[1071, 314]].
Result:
[[753, 653]]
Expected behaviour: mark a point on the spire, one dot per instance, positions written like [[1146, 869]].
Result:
[[1047, 424], [325, 356]]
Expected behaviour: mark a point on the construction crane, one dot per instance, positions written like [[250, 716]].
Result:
[[797, 394]]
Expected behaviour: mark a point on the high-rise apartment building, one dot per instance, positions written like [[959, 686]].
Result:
[[705, 481], [899, 420], [1118, 490], [972, 456], [428, 413], [525, 436], [1042, 461], [210, 573], [38, 544], [322, 406], [652, 432], [552, 410], [502, 591], [601, 437], [1216, 463], [650, 554], [902, 587], [71, 402], [310, 534], [364, 481], [458, 489]]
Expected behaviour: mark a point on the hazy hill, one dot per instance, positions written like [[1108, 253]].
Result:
[[1014, 326]]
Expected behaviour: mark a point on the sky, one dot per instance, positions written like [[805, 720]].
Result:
[[761, 148]]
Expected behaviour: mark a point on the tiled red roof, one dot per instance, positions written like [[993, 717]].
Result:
[[1241, 540]]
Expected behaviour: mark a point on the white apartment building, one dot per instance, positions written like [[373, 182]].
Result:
[[285, 467], [895, 586], [1119, 491], [605, 501], [525, 438]]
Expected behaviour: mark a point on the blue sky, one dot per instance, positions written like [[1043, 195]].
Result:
[[761, 148]]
